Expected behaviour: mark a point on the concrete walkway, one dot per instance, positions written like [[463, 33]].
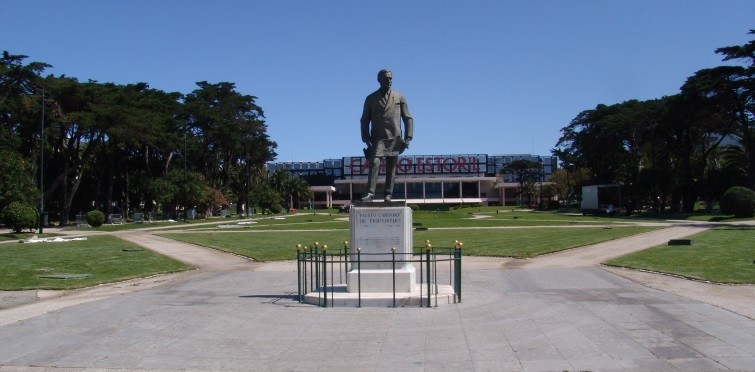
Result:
[[548, 313]]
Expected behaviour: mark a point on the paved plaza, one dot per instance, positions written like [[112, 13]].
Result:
[[233, 314]]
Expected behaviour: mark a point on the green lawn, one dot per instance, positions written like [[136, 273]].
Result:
[[529, 242], [99, 259], [722, 255], [24, 235]]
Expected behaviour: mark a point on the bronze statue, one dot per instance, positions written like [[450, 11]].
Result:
[[383, 112]]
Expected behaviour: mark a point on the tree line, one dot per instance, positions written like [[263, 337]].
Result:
[[71, 146], [672, 151]]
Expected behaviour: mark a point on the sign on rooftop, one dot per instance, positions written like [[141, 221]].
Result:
[[467, 164]]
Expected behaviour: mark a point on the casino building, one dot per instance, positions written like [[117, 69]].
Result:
[[420, 179]]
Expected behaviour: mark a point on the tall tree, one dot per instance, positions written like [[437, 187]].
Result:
[[733, 88], [229, 128], [74, 134], [19, 96], [526, 173]]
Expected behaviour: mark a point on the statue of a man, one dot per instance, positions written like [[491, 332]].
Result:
[[383, 112]]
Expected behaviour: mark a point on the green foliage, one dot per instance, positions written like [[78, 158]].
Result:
[[180, 186], [292, 188], [95, 218], [266, 197], [164, 191], [213, 202], [276, 208], [414, 207], [16, 179], [738, 201], [19, 216]]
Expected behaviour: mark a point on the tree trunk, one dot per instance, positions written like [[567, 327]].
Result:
[[125, 206], [109, 193], [65, 210]]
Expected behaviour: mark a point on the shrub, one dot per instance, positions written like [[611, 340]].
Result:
[[553, 204], [738, 201], [95, 218], [276, 208], [19, 216], [414, 207]]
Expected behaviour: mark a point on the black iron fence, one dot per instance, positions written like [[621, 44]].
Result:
[[324, 271]]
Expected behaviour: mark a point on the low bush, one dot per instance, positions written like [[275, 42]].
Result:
[[95, 218], [19, 216], [276, 208], [738, 201]]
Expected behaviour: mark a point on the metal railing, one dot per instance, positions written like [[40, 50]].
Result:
[[320, 270]]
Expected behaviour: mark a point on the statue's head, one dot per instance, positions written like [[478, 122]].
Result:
[[385, 78]]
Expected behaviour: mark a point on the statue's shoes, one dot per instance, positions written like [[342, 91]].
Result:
[[387, 198], [368, 197]]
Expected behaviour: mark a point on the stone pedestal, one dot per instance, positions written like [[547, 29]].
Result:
[[376, 228]]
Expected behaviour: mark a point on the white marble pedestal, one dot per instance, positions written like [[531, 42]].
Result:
[[375, 231]]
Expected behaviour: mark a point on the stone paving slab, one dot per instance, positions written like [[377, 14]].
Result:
[[516, 319]]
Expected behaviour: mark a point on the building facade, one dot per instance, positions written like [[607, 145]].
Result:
[[422, 179]]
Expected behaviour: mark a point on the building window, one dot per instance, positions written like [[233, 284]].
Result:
[[470, 190], [451, 190], [359, 189], [433, 190], [342, 192], [399, 190], [414, 191]]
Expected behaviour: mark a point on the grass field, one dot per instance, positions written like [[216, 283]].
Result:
[[25, 235], [484, 231], [99, 259], [722, 255], [521, 243]]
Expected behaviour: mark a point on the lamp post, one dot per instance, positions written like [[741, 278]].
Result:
[[542, 175], [186, 207], [247, 175], [42, 166]]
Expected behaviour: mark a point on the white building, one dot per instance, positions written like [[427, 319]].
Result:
[[421, 179]]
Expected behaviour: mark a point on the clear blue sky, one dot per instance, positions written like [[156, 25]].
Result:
[[489, 77]]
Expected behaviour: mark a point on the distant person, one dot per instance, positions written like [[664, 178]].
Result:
[[383, 112]]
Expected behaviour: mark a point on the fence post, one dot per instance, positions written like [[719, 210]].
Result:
[[345, 262], [325, 275], [359, 276], [457, 279], [298, 270], [428, 247], [317, 267], [393, 260]]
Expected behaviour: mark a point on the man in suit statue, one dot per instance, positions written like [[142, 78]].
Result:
[[383, 112]]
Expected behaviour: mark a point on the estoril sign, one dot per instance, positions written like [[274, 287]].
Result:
[[423, 164]]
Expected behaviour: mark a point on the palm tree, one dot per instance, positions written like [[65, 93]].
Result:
[[297, 189], [290, 187]]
